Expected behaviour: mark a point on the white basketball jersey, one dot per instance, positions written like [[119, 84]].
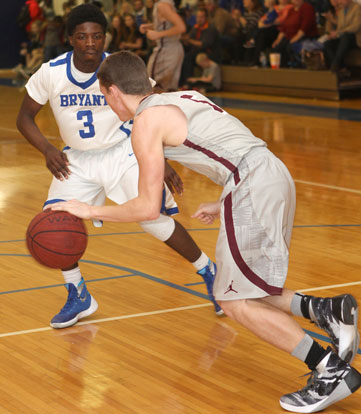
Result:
[[84, 119], [216, 140]]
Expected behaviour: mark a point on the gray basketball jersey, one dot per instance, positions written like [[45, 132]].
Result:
[[216, 140], [161, 25]]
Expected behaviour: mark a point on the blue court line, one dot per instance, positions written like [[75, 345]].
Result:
[[62, 284], [131, 273], [189, 230], [194, 284], [348, 114]]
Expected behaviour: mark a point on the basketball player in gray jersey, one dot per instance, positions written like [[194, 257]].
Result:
[[165, 63], [256, 212]]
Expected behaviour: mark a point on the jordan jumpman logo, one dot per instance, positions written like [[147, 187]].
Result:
[[230, 288]]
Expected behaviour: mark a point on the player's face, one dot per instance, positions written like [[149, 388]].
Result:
[[88, 44]]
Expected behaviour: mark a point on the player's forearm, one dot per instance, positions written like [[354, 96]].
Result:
[[134, 210], [173, 31], [31, 132]]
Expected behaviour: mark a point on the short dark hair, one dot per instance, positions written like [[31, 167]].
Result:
[[127, 71], [83, 14]]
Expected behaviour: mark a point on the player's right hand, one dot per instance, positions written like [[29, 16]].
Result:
[[57, 162]]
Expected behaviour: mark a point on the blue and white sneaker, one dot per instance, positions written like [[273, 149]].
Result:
[[78, 306], [209, 273]]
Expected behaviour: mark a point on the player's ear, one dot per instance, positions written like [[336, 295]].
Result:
[[70, 40], [114, 90]]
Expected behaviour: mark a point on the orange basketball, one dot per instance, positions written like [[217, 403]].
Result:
[[56, 239]]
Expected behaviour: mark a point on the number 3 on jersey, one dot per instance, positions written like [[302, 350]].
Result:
[[87, 118]]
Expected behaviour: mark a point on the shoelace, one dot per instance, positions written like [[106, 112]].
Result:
[[312, 383]]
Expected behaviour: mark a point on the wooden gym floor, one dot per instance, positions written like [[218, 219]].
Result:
[[155, 345]]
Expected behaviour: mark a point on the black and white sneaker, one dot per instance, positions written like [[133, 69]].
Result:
[[331, 381], [337, 316]]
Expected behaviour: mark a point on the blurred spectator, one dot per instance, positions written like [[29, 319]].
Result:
[[249, 20], [230, 5], [165, 63], [203, 37], [36, 13], [67, 6], [300, 24], [222, 20], [132, 38], [139, 12], [267, 28], [210, 80], [47, 8], [346, 36], [330, 16], [126, 8], [188, 16], [31, 53], [53, 38], [116, 33], [283, 8], [149, 6]]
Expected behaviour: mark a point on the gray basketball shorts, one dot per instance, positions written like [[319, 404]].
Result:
[[256, 226]]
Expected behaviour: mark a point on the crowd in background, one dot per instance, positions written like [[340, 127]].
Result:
[[237, 32]]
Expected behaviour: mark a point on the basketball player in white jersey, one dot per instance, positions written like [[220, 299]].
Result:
[[256, 210], [98, 160], [165, 62]]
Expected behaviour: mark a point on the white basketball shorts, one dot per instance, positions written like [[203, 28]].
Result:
[[97, 174], [256, 226]]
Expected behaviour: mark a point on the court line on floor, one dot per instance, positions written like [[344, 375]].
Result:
[[331, 187], [169, 310], [142, 314], [329, 287], [114, 318]]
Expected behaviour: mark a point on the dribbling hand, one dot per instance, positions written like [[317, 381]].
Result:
[[75, 207]]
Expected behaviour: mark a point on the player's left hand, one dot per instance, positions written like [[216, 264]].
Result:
[[75, 207], [172, 179], [208, 212]]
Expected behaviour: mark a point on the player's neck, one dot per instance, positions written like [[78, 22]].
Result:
[[86, 66], [133, 102]]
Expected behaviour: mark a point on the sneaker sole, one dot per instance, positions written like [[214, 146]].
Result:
[[350, 384], [92, 308], [349, 336]]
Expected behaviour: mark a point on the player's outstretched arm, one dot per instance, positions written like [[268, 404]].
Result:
[[56, 161], [208, 212]]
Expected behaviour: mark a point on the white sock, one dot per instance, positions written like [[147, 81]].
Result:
[[72, 276], [201, 262]]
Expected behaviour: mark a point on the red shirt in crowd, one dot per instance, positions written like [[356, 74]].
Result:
[[302, 19], [36, 13]]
